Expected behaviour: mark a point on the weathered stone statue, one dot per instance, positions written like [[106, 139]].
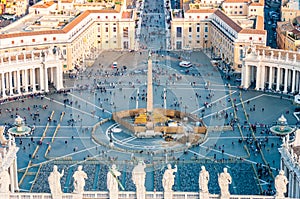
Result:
[[79, 180], [54, 182], [168, 178], [3, 140], [112, 182], [224, 180], [203, 180], [138, 178], [4, 181], [280, 184]]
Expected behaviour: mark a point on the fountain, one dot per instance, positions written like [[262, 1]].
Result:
[[19, 129], [282, 128]]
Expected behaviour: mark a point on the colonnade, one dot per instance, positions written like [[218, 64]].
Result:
[[290, 164], [271, 72], [33, 75]]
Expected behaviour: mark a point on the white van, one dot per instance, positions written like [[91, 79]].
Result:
[[114, 65], [185, 64]]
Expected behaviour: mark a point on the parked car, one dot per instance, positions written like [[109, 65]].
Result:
[[114, 65], [185, 64]]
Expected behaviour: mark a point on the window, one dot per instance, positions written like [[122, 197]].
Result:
[[22, 41], [205, 29], [250, 38], [125, 32], [198, 29], [54, 38], [98, 17], [106, 29], [260, 39], [106, 17], [33, 40], [206, 17], [190, 29], [12, 42], [115, 17], [45, 39], [198, 17], [114, 29], [198, 41], [178, 32], [241, 6], [190, 17], [241, 12]]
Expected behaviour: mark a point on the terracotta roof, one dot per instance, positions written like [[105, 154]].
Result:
[[201, 11], [252, 31], [75, 21], [24, 34], [66, 29], [255, 4], [126, 15], [45, 5], [67, 1], [285, 26], [228, 21], [236, 1]]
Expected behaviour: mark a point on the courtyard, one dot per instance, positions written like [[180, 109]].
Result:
[[71, 126]]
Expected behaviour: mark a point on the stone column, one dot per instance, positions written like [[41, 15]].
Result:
[[3, 87], [270, 77], [278, 79], [245, 77], [46, 79], [33, 80], [26, 80], [10, 84], [59, 78], [18, 79], [286, 72], [41, 77], [293, 80], [258, 78], [297, 80], [262, 77]]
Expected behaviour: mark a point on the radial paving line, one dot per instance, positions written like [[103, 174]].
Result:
[[238, 123], [25, 173], [41, 140], [35, 178], [86, 101], [84, 112], [253, 135]]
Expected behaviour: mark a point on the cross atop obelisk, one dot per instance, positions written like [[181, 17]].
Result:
[[149, 86]]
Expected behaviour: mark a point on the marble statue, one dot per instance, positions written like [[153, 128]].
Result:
[[79, 180], [224, 180], [4, 181], [168, 178], [138, 178], [280, 184], [112, 182], [3, 140], [203, 180], [54, 182]]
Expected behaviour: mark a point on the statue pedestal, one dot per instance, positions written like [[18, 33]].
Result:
[[141, 195], [203, 195], [168, 195], [4, 195], [77, 195], [224, 196], [56, 196], [279, 197]]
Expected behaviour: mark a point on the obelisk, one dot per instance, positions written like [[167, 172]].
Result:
[[149, 87], [149, 110]]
